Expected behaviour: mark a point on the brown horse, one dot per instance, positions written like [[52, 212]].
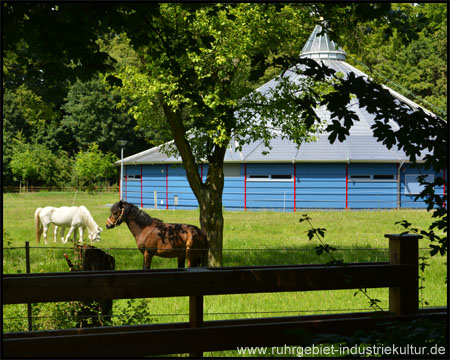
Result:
[[154, 237]]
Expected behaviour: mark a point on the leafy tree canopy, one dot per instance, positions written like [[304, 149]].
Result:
[[35, 162], [93, 165], [417, 69], [92, 116]]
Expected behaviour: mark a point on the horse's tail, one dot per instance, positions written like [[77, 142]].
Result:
[[37, 224]]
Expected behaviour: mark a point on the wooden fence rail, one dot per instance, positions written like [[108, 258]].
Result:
[[197, 336]]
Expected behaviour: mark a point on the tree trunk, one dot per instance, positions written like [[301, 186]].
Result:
[[211, 220], [211, 215], [208, 194]]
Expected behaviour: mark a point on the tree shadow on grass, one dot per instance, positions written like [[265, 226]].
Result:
[[304, 254], [300, 255]]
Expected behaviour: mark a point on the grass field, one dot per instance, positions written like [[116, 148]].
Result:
[[250, 238]]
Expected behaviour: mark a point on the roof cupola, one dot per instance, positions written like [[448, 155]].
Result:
[[321, 47]]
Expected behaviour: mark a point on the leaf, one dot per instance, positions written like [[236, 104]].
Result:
[[305, 217]]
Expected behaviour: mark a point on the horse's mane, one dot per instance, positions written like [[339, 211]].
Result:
[[140, 217], [88, 219]]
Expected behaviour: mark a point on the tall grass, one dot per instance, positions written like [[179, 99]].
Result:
[[250, 238]]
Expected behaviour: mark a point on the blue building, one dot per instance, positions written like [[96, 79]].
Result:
[[359, 173]]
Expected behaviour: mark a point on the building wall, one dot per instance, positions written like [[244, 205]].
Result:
[[372, 186], [321, 186], [281, 187], [269, 186]]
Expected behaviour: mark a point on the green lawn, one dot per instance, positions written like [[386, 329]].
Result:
[[250, 238]]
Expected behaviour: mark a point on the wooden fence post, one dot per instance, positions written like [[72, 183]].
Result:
[[196, 316], [92, 313], [28, 269], [404, 250]]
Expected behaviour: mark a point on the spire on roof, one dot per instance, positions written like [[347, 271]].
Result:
[[321, 47]]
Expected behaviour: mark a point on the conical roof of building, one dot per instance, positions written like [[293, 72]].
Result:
[[321, 47], [359, 146]]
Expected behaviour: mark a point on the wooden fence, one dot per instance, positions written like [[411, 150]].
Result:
[[400, 274], [31, 188]]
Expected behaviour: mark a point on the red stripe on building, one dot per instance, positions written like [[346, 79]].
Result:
[[142, 203], [346, 186], [167, 186], [295, 189], [245, 187]]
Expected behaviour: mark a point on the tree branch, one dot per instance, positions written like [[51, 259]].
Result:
[[179, 135]]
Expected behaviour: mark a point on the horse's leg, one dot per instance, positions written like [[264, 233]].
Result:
[[63, 230], [193, 257], [181, 260], [68, 234], [147, 259], [193, 262], [55, 233], [45, 233], [80, 230]]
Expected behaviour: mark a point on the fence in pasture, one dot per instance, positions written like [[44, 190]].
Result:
[[31, 188], [130, 258], [232, 257], [400, 274]]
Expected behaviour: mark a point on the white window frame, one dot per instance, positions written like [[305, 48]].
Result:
[[269, 177], [371, 178], [132, 177]]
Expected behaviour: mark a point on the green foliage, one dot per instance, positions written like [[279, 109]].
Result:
[[28, 117], [92, 166], [415, 68], [92, 116], [24, 110], [202, 73], [23, 165], [131, 312], [54, 315], [63, 49], [35, 162]]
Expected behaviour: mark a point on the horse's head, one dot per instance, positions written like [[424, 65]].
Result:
[[116, 217], [95, 235]]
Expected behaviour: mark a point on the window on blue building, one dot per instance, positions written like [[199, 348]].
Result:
[[271, 177], [366, 177], [134, 177], [412, 185]]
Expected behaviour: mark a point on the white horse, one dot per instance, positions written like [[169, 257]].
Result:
[[92, 235], [73, 217]]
